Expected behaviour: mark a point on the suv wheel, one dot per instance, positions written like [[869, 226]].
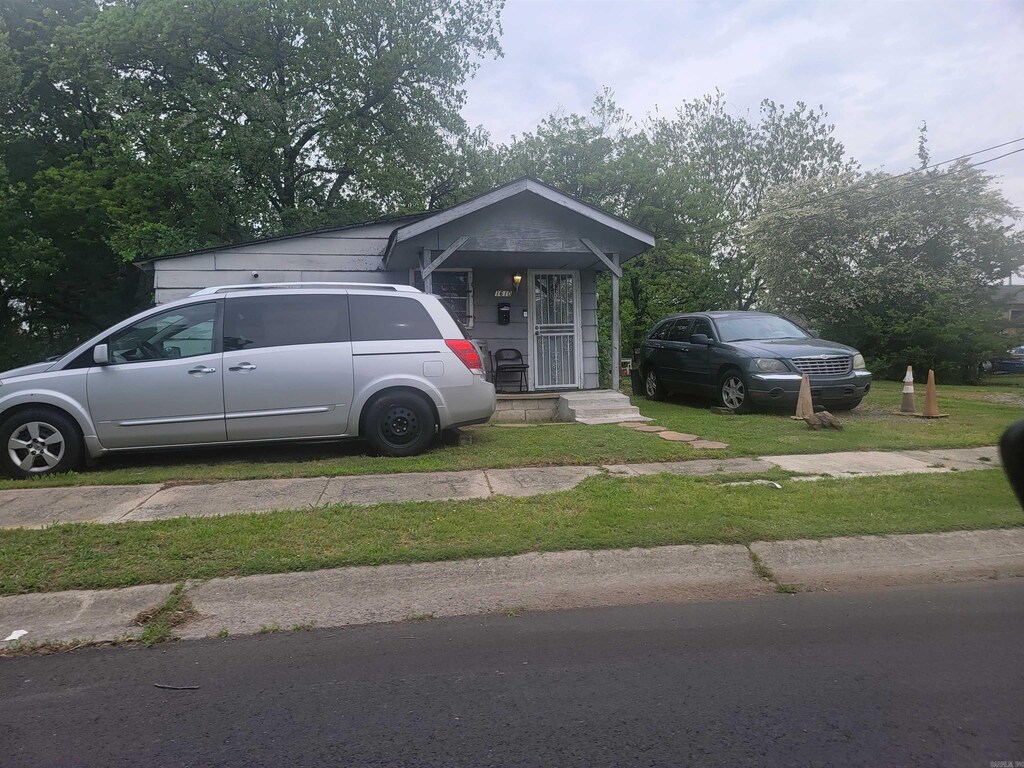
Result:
[[400, 424], [652, 386], [733, 393], [39, 441]]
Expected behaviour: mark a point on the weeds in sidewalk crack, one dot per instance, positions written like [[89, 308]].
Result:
[[762, 570], [158, 623]]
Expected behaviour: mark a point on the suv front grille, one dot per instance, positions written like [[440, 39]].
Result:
[[833, 365]]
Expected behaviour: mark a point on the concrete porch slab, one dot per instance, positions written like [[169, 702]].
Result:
[[230, 498], [872, 561], [530, 481], [364, 595], [99, 615], [381, 489], [41, 507]]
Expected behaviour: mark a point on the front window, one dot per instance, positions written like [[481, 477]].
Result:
[[182, 332], [454, 287], [758, 327]]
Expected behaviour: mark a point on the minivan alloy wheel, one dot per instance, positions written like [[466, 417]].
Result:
[[36, 446]]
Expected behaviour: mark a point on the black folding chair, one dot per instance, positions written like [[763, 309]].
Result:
[[508, 363]]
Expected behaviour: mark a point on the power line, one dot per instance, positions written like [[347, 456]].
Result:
[[897, 190], [915, 171]]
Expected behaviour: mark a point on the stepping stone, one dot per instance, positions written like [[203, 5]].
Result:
[[649, 428], [709, 445], [677, 437]]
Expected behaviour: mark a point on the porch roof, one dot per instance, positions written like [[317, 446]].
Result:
[[525, 221]]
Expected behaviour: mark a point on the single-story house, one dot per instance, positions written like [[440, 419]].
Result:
[[518, 265]]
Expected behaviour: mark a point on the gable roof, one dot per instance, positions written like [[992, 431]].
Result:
[[411, 225], [524, 184], [290, 236]]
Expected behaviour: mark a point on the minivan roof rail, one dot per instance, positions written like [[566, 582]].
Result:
[[268, 286]]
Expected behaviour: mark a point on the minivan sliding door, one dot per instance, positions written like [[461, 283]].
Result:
[[287, 366]]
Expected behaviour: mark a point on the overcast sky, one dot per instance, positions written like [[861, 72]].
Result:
[[878, 68]]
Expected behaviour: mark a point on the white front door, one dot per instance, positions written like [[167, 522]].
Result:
[[555, 352]]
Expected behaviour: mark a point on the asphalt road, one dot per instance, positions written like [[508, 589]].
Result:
[[926, 676]]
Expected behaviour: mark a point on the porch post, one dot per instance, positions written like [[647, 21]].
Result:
[[428, 278], [615, 324]]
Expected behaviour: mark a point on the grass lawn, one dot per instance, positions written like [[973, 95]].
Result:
[[978, 416], [604, 512]]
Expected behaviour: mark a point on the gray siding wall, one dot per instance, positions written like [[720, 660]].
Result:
[[353, 255]]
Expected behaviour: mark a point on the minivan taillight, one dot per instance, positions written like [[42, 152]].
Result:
[[466, 352]]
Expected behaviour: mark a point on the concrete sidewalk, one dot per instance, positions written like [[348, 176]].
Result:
[[39, 508], [536, 581]]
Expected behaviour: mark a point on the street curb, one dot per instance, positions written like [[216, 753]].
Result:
[[536, 581]]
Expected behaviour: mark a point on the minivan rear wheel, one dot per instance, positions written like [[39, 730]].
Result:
[[400, 424], [39, 441]]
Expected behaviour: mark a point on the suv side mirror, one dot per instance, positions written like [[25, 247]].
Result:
[[701, 338], [813, 333], [101, 354]]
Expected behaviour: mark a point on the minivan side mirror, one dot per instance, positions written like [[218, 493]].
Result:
[[101, 354], [701, 338]]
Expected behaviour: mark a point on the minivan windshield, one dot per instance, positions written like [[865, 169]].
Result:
[[757, 327]]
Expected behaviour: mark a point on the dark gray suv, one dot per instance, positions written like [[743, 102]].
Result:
[[748, 358]]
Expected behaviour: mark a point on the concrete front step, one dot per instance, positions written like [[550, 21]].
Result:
[[601, 406], [611, 419], [605, 410]]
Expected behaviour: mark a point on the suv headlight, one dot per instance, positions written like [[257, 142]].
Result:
[[858, 361], [770, 364]]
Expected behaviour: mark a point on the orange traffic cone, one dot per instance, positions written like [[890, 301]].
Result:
[[931, 401], [804, 405], [909, 405]]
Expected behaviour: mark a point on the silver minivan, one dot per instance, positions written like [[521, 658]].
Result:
[[248, 364]]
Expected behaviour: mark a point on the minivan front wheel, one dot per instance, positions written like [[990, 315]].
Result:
[[400, 424], [39, 441], [733, 393]]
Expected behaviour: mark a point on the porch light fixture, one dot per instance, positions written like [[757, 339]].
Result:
[[516, 280]]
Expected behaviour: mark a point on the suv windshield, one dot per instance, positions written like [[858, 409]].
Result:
[[757, 327]]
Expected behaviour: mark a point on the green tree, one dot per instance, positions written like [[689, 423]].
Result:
[[902, 268], [309, 111], [710, 171], [132, 128]]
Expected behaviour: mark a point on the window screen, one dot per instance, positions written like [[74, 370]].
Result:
[[455, 290], [253, 322], [388, 318]]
